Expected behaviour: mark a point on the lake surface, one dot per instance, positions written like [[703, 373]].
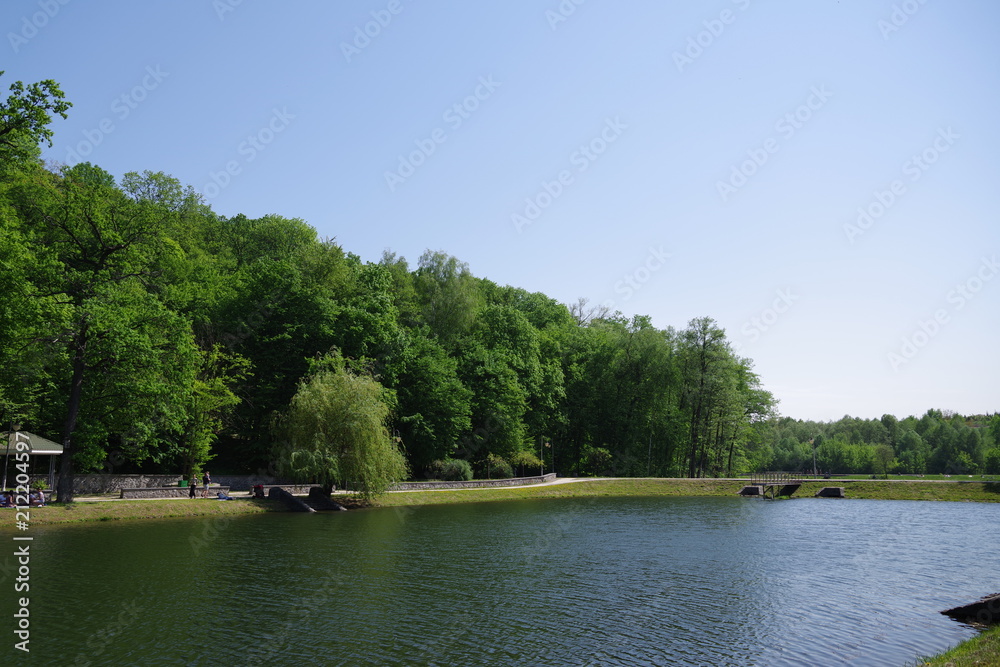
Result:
[[648, 581]]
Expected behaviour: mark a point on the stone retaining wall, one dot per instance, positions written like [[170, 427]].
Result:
[[473, 484], [171, 492], [100, 483], [111, 483]]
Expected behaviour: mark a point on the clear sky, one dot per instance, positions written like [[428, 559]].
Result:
[[819, 177]]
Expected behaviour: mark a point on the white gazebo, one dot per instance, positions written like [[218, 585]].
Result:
[[37, 446]]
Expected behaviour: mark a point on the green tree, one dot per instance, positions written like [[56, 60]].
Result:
[[279, 310], [710, 395], [122, 362], [995, 430], [25, 117], [434, 407], [884, 458], [448, 294], [335, 431], [991, 465], [912, 453], [891, 425], [209, 403]]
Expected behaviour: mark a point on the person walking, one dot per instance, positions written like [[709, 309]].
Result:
[[194, 487], [206, 479]]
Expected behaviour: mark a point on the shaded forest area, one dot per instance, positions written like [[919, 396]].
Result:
[[148, 333]]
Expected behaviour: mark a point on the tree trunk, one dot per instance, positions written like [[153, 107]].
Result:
[[732, 445], [64, 489], [695, 418]]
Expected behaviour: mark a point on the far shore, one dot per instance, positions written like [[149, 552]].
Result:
[[107, 508]]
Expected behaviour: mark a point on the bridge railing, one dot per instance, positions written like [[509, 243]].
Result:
[[773, 478]]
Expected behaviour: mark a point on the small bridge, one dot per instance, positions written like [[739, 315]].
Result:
[[772, 484]]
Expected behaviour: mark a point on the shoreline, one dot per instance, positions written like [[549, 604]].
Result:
[[981, 650], [99, 509]]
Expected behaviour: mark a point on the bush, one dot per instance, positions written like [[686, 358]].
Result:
[[450, 470], [495, 467], [526, 462]]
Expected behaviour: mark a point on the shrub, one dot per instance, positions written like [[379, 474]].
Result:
[[526, 462], [434, 470], [595, 461], [450, 470], [495, 467]]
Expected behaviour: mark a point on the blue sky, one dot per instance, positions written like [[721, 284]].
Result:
[[818, 177]]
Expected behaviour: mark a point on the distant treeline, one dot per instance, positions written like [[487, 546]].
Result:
[[936, 443]]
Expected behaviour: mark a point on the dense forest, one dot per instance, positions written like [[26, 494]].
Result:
[[147, 332]]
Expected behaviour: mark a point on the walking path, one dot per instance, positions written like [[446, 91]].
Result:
[[557, 480]]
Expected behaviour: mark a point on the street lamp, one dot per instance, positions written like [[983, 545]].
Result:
[[541, 455]]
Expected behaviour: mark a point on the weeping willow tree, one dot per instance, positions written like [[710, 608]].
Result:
[[334, 431]]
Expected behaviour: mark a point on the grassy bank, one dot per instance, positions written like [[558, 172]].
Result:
[[116, 510], [982, 650], [863, 489], [113, 510], [980, 492]]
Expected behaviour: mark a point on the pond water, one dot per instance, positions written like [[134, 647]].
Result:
[[633, 581]]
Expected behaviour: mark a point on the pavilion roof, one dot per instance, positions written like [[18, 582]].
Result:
[[36, 443]]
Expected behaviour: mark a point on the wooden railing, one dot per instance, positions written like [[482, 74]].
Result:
[[773, 478]]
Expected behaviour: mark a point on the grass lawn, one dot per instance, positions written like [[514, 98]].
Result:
[[950, 478], [113, 510], [981, 651], [866, 489], [982, 492]]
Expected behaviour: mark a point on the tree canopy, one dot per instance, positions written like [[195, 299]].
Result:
[[135, 320]]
